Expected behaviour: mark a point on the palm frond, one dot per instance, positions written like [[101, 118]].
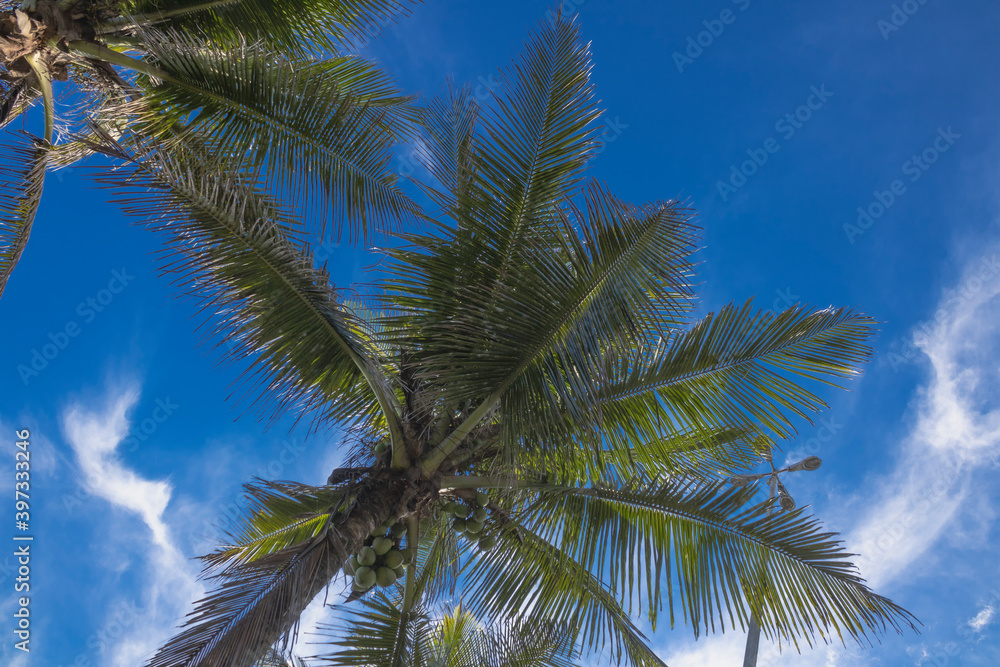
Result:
[[731, 370], [22, 176], [725, 558], [294, 27], [277, 517], [438, 560], [511, 643], [320, 131], [538, 341], [254, 606], [680, 456], [15, 98], [528, 578], [445, 148], [274, 658], [540, 136], [379, 635], [236, 251]]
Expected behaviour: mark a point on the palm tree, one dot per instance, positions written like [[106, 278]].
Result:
[[270, 84], [539, 417]]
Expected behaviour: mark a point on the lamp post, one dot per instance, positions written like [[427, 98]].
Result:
[[788, 504]]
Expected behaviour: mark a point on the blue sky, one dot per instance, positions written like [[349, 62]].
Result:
[[778, 121]]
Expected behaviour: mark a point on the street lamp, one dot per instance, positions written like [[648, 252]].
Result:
[[788, 504]]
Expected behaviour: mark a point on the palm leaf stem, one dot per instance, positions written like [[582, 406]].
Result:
[[412, 539], [436, 457], [45, 84]]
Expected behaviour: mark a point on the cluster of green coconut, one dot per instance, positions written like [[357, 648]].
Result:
[[471, 521], [381, 561]]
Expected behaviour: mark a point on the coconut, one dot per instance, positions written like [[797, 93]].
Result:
[[461, 511], [366, 556], [400, 571], [482, 499], [352, 565], [381, 545], [487, 542], [393, 559], [450, 507], [407, 555], [459, 525], [379, 448], [480, 514], [365, 577], [385, 577], [398, 530], [473, 527]]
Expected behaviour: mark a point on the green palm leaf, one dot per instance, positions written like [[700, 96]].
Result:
[[380, 634], [731, 369], [292, 26], [278, 517], [237, 252], [537, 344], [529, 578], [22, 176], [718, 554], [254, 605], [321, 131]]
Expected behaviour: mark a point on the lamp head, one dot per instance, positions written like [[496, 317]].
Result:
[[809, 463]]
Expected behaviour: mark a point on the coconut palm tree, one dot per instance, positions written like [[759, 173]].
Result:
[[539, 416], [272, 83]]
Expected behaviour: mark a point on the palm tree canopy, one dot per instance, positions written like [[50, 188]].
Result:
[[539, 416], [269, 88]]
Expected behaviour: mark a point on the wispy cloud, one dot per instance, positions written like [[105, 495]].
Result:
[[982, 619], [94, 435], [956, 430]]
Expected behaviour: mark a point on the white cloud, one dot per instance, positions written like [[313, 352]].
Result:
[[982, 619], [955, 431], [171, 586]]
